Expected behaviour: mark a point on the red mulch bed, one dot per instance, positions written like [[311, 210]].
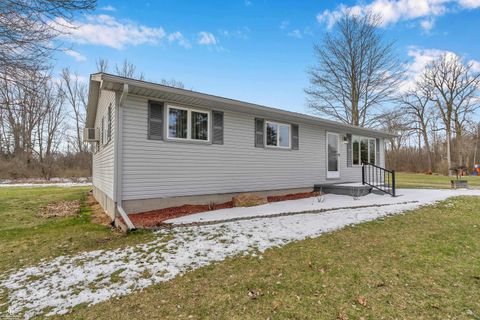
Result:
[[156, 218], [293, 196]]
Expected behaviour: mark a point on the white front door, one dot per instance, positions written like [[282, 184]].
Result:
[[333, 147]]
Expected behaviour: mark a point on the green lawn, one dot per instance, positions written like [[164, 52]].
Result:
[[26, 238], [417, 180], [420, 265]]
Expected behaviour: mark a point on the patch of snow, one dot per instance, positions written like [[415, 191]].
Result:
[[53, 182], [40, 185], [56, 286]]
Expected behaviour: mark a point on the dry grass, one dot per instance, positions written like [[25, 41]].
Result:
[[26, 237], [60, 209]]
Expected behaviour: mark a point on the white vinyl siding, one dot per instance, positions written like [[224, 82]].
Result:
[[156, 168], [103, 159]]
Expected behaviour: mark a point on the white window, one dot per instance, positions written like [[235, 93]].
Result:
[[277, 134], [363, 150], [188, 124]]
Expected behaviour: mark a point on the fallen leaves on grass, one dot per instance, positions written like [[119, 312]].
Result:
[[362, 301], [254, 294], [60, 209], [98, 214], [342, 316]]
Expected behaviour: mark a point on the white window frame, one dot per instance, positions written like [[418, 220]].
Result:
[[278, 134], [360, 149], [189, 123]]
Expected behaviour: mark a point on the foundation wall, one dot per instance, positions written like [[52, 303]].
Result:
[[143, 205]]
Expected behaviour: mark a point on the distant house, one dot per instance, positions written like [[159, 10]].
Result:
[[157, 146]]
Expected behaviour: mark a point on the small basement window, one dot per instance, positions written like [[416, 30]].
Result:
[[277, 134], [188, 124]]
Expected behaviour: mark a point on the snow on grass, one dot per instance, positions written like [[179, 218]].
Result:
[[56, 286], [40, 185]]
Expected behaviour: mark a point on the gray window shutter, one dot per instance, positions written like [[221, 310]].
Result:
[[295, 137], [259, 129], [217, 127], [377, 152], [155, 120], [349, 150]]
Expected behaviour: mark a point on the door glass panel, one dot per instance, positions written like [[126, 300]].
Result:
[[372, 151], [364, 150], [332, 152], [356, 151]]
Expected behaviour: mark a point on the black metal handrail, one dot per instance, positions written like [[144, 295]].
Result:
[[379, 178]]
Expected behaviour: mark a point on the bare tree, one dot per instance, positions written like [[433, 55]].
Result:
[[128, 70], [27, 28], [21, 103], [356, 72], [416, 103], [398, 124], [75, 93], [454, 92], [102, 65], [173, 83]]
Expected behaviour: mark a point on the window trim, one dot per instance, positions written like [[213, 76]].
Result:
[[266, 122], [189, 123], [360, 149]]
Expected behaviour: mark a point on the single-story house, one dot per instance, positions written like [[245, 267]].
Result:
[[157, 146]]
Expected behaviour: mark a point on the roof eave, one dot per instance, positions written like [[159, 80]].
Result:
[[93, 95], [104, 77]]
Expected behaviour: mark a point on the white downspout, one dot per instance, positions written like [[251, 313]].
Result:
[[118, 160]]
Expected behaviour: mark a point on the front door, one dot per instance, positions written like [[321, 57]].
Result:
[[333, 147]]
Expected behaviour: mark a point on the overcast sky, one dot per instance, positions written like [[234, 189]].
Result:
[[257, 50]]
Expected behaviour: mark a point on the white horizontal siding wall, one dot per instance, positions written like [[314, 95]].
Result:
[[155, 169], [103, 160]]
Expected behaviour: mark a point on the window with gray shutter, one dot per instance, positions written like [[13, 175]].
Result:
[[259, 123], [155, 120], [217, 137], [295, 137], [349, 150]]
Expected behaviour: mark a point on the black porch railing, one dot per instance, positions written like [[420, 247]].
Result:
[[379, 178]]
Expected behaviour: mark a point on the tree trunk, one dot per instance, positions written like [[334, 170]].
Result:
[[449, 154]]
